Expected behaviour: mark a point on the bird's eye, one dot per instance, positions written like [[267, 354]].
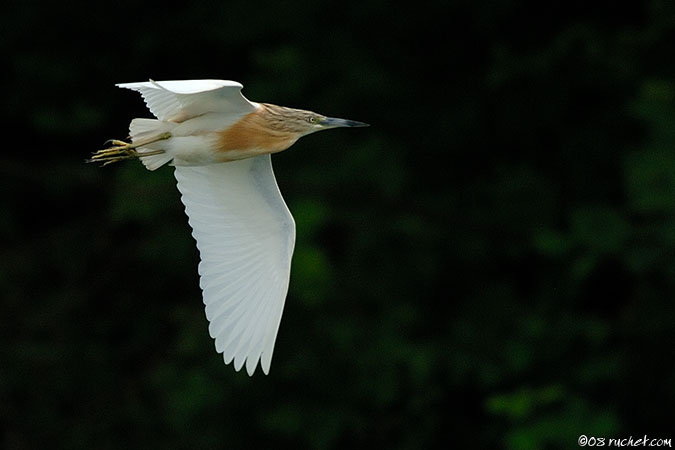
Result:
[[311, 119]]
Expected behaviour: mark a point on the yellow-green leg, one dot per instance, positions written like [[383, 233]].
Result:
[[121, 150]]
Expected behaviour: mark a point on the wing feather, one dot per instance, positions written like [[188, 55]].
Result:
[[179, 100], [245, 236]]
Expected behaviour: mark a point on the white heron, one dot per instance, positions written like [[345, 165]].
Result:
[[220, 144]]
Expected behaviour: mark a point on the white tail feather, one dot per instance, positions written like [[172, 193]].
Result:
[[145, 129]]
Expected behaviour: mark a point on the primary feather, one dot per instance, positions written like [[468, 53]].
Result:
[[179, 100], [245, 236]]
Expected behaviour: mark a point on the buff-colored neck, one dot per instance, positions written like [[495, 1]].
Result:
[[259, 132]]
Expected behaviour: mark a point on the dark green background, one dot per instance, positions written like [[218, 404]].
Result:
[[490, 265]]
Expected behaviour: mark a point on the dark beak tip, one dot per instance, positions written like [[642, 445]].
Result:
[[355, 124], [334, 122]]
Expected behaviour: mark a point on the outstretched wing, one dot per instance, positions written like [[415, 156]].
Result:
[[176, 101], [245, 236]]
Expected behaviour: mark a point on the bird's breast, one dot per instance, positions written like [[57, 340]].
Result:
[[252, 136]]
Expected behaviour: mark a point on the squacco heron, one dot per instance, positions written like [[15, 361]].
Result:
[[220, 144]]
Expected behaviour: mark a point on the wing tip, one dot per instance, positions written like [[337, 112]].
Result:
[[158, 84], [248, 361], [126, 85]]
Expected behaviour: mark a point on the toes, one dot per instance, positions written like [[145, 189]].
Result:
[[116, 142]]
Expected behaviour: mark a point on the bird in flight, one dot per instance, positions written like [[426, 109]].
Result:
[[220, 144]]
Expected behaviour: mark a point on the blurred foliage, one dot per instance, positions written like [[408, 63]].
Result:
[[490, 265]]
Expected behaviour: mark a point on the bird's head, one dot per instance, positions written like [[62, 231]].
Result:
[[305, 122]]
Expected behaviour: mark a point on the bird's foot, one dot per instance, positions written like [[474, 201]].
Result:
[[121, 150]]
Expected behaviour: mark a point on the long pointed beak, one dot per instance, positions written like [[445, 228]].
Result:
[[332, 122]]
